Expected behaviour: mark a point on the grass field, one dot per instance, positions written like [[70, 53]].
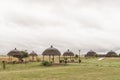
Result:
[[89, 69]]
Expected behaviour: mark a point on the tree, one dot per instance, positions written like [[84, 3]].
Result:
[[76, 56], [21, 55]]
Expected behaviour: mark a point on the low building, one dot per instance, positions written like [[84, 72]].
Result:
[[91, 54], [111, 54]]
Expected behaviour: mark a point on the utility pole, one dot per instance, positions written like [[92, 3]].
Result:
[[4, 65], [79, 57]]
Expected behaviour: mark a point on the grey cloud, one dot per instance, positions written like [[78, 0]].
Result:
[[78, 24], [29, 21]]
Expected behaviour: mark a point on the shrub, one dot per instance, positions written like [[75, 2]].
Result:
[[79, 61], [46, 63], [76, 56], [65, 61], [61, 61]]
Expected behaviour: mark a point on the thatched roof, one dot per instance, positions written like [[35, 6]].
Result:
[[14, 52], [91, 54], [33, 54], [68, 53], [111, 54], [51, 51]]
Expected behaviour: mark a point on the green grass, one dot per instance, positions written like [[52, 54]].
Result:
[[89, 69]]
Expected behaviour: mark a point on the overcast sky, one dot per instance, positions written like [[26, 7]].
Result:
[[65, 24]]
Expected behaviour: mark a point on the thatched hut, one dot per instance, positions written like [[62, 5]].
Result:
[[51, 52], [33, 55], [111, 54], [68, 53], [91, 54], [18, 54], [13, 53]]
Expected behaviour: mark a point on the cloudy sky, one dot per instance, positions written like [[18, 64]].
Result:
[[65, 24]]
